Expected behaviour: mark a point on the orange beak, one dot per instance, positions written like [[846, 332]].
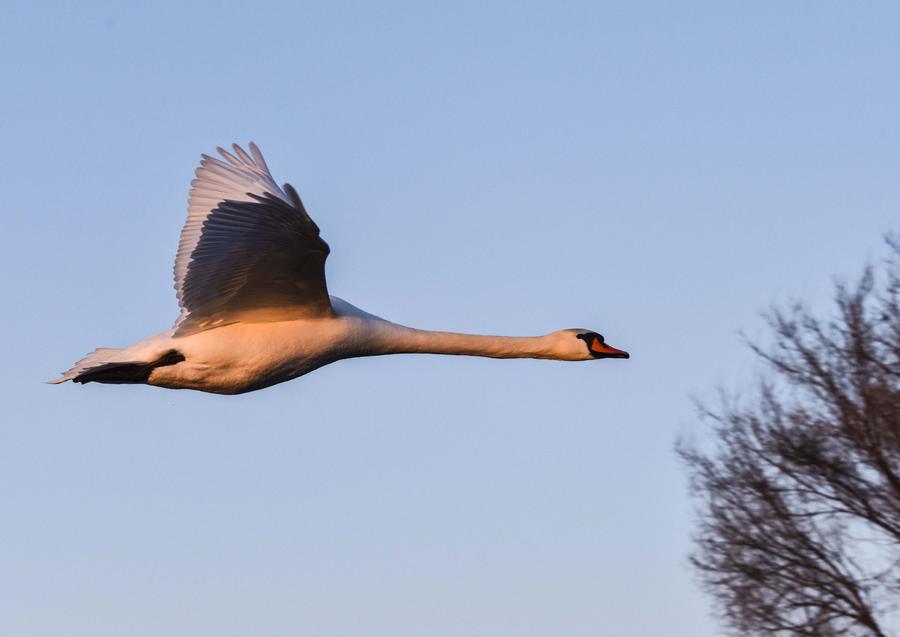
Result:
[[602, 350]]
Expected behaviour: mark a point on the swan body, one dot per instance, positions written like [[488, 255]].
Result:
[[249, 277]]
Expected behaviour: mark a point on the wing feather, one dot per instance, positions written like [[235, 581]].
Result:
[[248, 250], [234, 161], [258, 157], [243, 155]]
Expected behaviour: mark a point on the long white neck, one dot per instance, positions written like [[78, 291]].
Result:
[[375, 337]]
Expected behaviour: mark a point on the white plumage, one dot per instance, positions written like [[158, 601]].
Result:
[[255, 309]]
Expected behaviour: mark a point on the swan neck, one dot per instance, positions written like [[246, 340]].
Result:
[[390, 338]]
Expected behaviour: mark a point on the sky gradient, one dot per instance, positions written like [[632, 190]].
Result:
[[660, 173]]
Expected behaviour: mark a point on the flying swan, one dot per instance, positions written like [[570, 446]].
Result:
[[255, 310]]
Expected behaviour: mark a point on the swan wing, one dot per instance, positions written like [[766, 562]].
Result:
[[248, 251]]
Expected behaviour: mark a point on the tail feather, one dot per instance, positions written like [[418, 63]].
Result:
[[113, 365], [99, 356]]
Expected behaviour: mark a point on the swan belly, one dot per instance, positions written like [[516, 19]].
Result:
[[242, 357]]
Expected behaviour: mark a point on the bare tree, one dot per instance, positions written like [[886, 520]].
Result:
[[798, 529]]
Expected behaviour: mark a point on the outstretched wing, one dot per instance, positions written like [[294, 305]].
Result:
[[249, 251]]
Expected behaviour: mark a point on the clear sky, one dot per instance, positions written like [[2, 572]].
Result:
[[659, 172]]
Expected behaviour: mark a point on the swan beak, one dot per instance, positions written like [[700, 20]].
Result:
[[602, 350]]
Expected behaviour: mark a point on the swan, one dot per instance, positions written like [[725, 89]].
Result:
[[255, 310]]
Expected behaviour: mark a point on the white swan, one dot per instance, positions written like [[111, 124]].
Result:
[[255, 311]]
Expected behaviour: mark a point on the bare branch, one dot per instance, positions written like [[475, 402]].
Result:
[[799, 500]]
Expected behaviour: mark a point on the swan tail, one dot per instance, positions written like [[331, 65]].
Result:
[[113, 365]]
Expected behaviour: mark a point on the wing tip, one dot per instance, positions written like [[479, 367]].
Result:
[[243, 155]]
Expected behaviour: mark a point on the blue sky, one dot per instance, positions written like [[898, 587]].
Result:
[[659, 172]]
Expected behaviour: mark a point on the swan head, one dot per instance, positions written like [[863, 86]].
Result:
[[585, 345]]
